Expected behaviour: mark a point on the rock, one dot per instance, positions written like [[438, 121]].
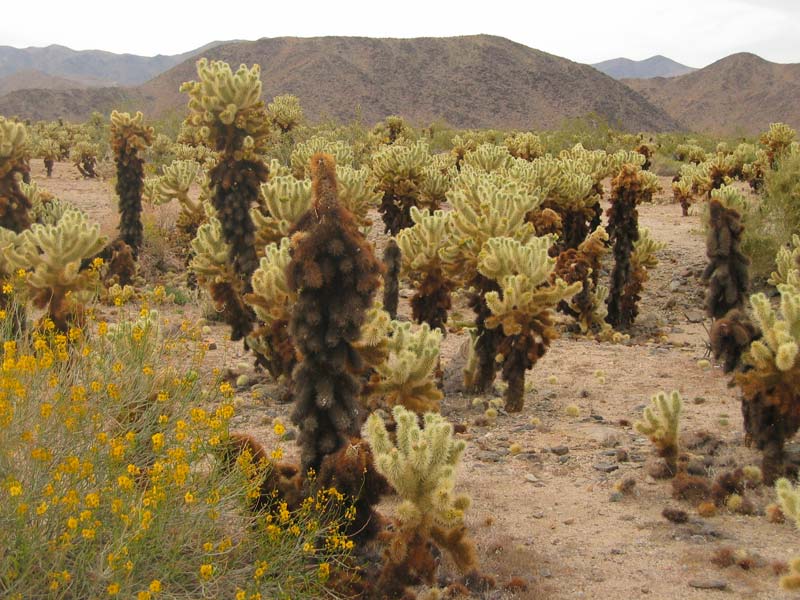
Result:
[[290, 434], [563, 459], [708, 584], [616, 497], [487, 456], [211, 345], [568, 521], [605, 467], [698, 400], [584, 393], [695, 316], [546, 573], [560, 450], [538, 514], [531, 478]]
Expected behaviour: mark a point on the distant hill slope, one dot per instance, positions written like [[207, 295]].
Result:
[[89, 67], [655, 66], [71, 105], [33, 79], [741, 93], [470, 81]]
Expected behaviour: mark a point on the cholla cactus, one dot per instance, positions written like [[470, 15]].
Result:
[[359, 194], [789, 498], [630, 187], [211, 264], [488, 158], [54, 254], [770, 381], [421, 468], [341, 151], [407, 376], [527, 146], [130, 138], [285, 200], [523, 306], [272, 300], [727, 270], [485, 205], [661, 424], [391, 130], [84, 156], [14, 205], [646, 150], [175, 183], [285, 112], [400, 171], [335, 275], [777, 140], [462, 144], [227, 110], [690, 153], [392, 265], [436, 181], [682, 191], [788, 266], [48, 150], [420, 248]]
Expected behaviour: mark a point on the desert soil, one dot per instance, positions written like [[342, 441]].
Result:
[[548, 516]]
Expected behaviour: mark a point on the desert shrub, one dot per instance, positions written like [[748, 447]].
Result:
[[109, 487]]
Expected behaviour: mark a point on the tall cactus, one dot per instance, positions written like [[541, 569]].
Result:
[[227, 110], [129, 138], [335, 275]]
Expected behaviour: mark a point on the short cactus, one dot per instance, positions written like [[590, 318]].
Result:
[[84, 156], [661, 424], [14, 205], [285, 112]]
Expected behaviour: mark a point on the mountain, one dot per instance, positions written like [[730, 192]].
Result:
[[33, 79], [90, 67], [470, 81], [740, 94], [655, 66]]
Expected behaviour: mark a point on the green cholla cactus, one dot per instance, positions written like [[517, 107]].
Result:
[[400, 171], [645, 248], [527, 146], [303, 151], [175, 183], [129, 138], [488, 158], [421, 468], [272, 300], [523, 306], [285, 112], [485, 205], [661, 424], [777, 140], [407, 376], [770, 381], [434, 186], [14, 204], [50, 151], [285, 200], [54, 254], [84, 156], [391, 130], [227, 111], [358, 192], [788, 266], [789, 499], [420, 248], [690, 153], [682, 191]]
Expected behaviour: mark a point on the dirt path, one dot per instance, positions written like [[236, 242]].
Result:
[[546, 514]]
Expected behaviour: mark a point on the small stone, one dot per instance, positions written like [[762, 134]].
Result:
[[708, 584], [531, 478], [546, 573], [674, 285], [584, 393], [563, 459], [211, 345], [560, 450], [616, 497], [698, 400], [487, 456], [616, 551], [538, 514], [695, 316], [290, 434], [568, 521], [605, 467]]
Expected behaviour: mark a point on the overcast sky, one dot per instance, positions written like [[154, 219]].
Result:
[[694, 32]]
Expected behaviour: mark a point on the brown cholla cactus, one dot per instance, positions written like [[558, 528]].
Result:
[[628, 189], [14, 204], [129, 139], [727, 270], [335, 275], [392, 261]]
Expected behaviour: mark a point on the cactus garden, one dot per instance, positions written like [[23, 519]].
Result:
[[255, 356]]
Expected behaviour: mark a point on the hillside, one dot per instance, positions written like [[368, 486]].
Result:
[[33, 79], [471, 81], [71, 104], [89, 67], [655, 66], [741, 93]]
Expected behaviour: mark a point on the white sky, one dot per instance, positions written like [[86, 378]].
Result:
[[694, 32]]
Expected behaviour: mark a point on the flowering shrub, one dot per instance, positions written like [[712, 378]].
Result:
[[108, 482]]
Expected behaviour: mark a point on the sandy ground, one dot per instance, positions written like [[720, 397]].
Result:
[[548, 517]]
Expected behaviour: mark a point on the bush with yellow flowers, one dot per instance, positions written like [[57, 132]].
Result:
[[109, 486]]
